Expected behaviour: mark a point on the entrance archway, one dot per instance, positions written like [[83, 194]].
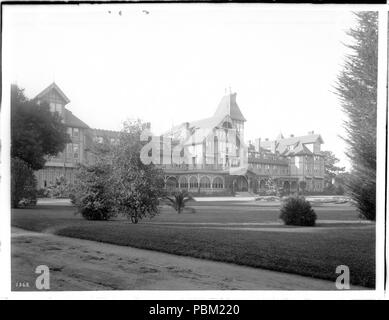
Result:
[[241, 184], [171, 184]]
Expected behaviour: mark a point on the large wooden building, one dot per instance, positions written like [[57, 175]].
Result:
[[65, 163], [219, 160], [233, 166]]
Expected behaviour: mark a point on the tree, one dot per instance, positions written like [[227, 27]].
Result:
[[92, 193], [357, 89], [23, 182], [178, 200], [137, 187], [119, 182], [35, 131], [331, 170]]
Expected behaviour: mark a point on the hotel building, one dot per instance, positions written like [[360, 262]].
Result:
[[217, 159]]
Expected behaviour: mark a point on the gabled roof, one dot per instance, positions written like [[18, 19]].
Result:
[[228, 106], [200, 129], [301, 149], [55, 87], [72, 121], [206, 123], [311, 138]]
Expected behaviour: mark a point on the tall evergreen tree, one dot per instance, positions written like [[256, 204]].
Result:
[[357, 89]]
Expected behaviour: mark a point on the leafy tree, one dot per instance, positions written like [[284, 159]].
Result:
[[35, 131], [92, 193], [23, 182], [357, 89], [178, 200], [331, 170], [137, 187], [118, 182]]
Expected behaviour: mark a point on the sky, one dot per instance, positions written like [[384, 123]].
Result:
[[168, 64]]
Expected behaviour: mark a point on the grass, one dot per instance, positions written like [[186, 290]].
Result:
[[315, 254]]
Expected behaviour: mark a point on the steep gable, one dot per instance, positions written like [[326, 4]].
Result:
[[53, 94], [228, 106]]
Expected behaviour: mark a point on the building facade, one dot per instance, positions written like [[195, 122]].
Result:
[[207, 156], [66, 163], [219, 161]]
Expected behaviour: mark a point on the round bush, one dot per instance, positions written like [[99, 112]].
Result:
[[297, 211]]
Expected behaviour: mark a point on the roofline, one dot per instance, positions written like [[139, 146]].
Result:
[[56, 87]]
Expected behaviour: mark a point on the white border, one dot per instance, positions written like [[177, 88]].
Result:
[[5, 281]]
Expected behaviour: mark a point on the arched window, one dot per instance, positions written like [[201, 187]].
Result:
[[171, 183], [193, 183], [205, 183], [183, 182], [217, 183]]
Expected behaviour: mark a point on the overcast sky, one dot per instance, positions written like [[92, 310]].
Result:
[[172, 63]]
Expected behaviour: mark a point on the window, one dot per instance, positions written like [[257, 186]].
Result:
[[183, 182], [205, 183], [193, 183], [217, 183], [75, 151], [75, 132], [69, 131], [55, 107]]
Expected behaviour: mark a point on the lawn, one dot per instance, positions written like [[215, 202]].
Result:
[[240, 233]]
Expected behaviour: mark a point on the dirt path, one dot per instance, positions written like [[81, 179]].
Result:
[[87, 265]]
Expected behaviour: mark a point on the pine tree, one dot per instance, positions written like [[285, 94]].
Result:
[[357, 89]]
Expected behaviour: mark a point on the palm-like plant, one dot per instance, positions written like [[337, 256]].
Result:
[[178, 200]]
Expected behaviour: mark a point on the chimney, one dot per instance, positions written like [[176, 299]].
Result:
[[311, 132]]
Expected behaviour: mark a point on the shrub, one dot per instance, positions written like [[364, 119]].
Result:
[[92, 195], [60, 189], [43, 193], [23, 184], [298, 212]]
